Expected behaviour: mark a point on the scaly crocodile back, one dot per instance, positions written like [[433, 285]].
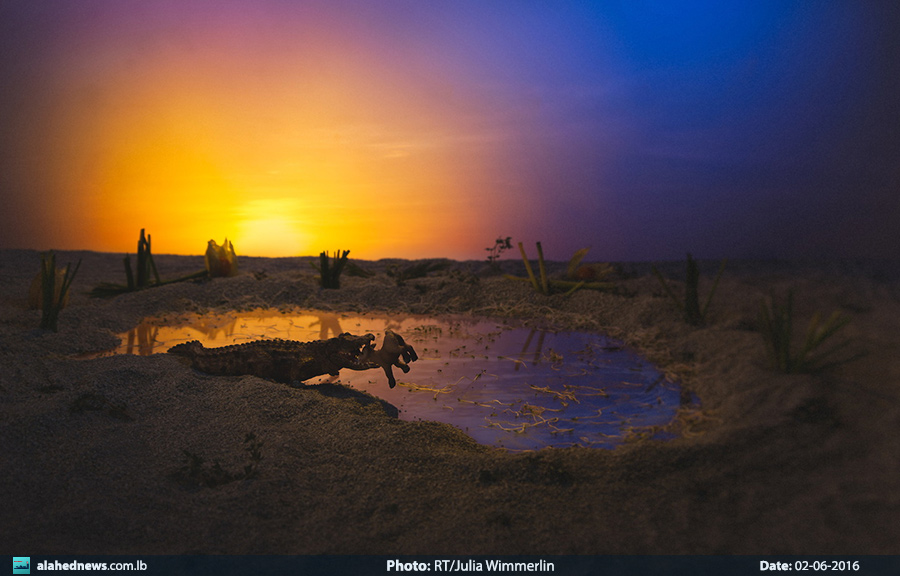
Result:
[[279, 360]]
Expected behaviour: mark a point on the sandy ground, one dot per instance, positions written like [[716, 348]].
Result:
[[94, 450]]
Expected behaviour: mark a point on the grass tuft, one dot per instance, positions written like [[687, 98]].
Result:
[[690, 306], [330, 272], [145, 264], [53, 300], [547, 286], [776, 324]]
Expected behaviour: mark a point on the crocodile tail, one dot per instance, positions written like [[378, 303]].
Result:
[[188, 349]]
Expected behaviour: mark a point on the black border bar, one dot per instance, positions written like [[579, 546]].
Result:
[[328, 565]]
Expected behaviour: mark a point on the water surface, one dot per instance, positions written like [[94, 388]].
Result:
[[503, 384]]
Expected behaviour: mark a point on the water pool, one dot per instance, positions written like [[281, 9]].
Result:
[[502, 383]]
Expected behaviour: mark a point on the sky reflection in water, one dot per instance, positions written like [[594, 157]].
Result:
[[514, 387]]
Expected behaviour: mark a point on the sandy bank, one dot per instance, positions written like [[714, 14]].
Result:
[[96, 449]]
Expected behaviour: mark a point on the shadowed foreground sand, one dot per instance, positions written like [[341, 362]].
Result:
[[772, 464]]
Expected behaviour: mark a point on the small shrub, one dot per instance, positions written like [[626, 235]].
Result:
[[500, 246], [330, 272]]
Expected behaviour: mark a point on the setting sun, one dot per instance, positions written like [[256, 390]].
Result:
[[272, 227], [362, 157]]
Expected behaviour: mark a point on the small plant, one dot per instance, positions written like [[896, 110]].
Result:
[[546, 286], [500, 246], [195, 472], [690, 307], [221, 261], [415, 270], [589, 272], [330, 273], [53, 299], [776, 326], [145, 266], [254, 446]]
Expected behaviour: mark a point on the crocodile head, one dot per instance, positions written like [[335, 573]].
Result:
[[353, 352]]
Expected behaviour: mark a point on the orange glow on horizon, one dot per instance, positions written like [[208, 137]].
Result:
[[360, 159]]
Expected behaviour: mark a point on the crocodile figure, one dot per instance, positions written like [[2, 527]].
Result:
[[288, 360]]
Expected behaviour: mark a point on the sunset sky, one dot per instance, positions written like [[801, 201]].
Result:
[[643, 129]]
